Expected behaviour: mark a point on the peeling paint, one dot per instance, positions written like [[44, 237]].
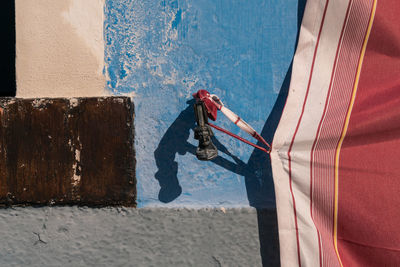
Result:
[[73, 102], [162, 52], [76, 178], [39, 103], [67, 155]]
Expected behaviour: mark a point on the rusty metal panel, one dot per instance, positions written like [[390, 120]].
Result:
[[67, 151]]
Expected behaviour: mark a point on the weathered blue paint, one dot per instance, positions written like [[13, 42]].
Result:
[[163, 51]]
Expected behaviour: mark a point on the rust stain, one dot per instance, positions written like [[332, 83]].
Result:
[[67, 152]]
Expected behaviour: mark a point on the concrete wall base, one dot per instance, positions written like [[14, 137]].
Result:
[[81, 236]]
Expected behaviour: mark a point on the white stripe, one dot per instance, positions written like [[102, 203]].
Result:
[[302, 145]]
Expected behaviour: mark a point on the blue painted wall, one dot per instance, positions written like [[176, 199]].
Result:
[[163, 51]]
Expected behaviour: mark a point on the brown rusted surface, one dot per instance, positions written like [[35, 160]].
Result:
[[67, 151]]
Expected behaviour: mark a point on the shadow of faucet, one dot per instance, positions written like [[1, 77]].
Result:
[[174, 141], [257, 171]]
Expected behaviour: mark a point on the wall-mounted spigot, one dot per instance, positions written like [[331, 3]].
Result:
[[206, 150]]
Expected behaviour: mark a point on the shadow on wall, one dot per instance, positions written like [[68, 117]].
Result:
[[175, 141], [257, 171]]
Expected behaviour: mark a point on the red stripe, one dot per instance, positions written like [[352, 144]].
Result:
[[355, 182], [319, 128], [356, 28], [323, 150], [238, 119], [297, 128], [342, 91]]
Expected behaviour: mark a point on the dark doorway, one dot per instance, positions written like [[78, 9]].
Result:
[[7, 57]]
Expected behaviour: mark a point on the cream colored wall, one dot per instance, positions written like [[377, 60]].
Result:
[[60, 48]]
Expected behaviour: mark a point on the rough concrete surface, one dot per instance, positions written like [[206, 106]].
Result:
[[81, 236]]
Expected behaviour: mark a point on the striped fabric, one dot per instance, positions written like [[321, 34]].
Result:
[[335, 156]]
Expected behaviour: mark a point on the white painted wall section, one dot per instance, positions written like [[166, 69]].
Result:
[[60, 48]]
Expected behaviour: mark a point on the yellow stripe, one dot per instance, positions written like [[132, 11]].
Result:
[[346, 126]]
